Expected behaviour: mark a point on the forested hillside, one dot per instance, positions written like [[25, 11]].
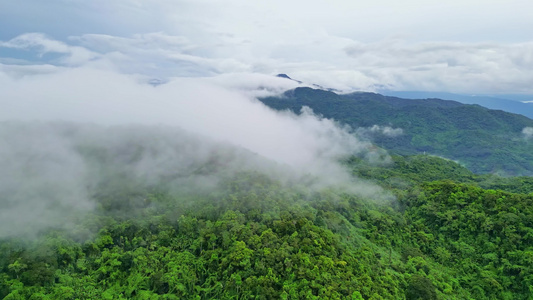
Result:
[[446, 234], [484, 140], [148, 152]]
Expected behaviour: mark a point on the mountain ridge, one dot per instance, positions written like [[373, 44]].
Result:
[[491, 102], [485, 140]]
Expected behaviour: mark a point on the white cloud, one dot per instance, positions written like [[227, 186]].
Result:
[[459, 67], [363, 45], [220, 109], [527, 132], [379, 130], [392, 64], [364, 20], [21, 70], [389, 131], [28, 41], [217, 107], [42, 182]]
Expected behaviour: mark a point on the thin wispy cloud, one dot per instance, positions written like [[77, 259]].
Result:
[[377, 130], [449, 46], [461, 67], [392, 64], [528, 133], [73, 55]]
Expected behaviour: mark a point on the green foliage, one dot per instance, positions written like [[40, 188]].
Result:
[[420, 288], [406, 171], [255, 238]]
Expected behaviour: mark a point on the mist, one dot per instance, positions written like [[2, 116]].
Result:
[[527, 132], [65, 133], [379, 130]]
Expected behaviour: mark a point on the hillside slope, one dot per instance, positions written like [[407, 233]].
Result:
[[484, 140], [171, 216], [255, 239]]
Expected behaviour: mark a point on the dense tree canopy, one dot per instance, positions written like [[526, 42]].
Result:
[[255, 238]]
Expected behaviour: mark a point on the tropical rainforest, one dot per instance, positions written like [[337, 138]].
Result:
[[430, 229]]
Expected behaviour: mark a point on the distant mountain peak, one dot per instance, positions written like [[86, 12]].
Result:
[[284, 76], [287, 77], [315, 86]]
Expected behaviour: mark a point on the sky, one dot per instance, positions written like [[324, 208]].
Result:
[[464, 46]]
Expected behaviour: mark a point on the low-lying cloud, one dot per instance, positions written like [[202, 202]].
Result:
[[377, 130], [41, 180], [203, 106], [173, 130], [527, 132]]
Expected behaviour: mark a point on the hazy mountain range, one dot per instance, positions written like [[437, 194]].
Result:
[[518, 104], [484, 140]]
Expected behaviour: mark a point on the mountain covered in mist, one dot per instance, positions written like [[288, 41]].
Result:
[[168, 215], [484, 140], [157, 212]]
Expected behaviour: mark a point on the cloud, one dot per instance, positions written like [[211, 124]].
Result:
[[335, 62], [527, 132], [159, 55], [460, 67], [379, 130], [74, 55], [22, 70], [209, 106], [220, 116], [41, 180], [345, 45], [54, 173]]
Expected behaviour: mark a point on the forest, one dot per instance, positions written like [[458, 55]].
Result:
[[484, 140], [149, 151], [443, 233]]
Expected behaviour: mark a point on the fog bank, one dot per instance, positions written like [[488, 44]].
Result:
[[189, 129]]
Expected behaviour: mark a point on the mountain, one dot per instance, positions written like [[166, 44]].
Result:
[[287, 77], [484, 140], [256, 238], [316, 86], [519, 106], [170, 215]]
